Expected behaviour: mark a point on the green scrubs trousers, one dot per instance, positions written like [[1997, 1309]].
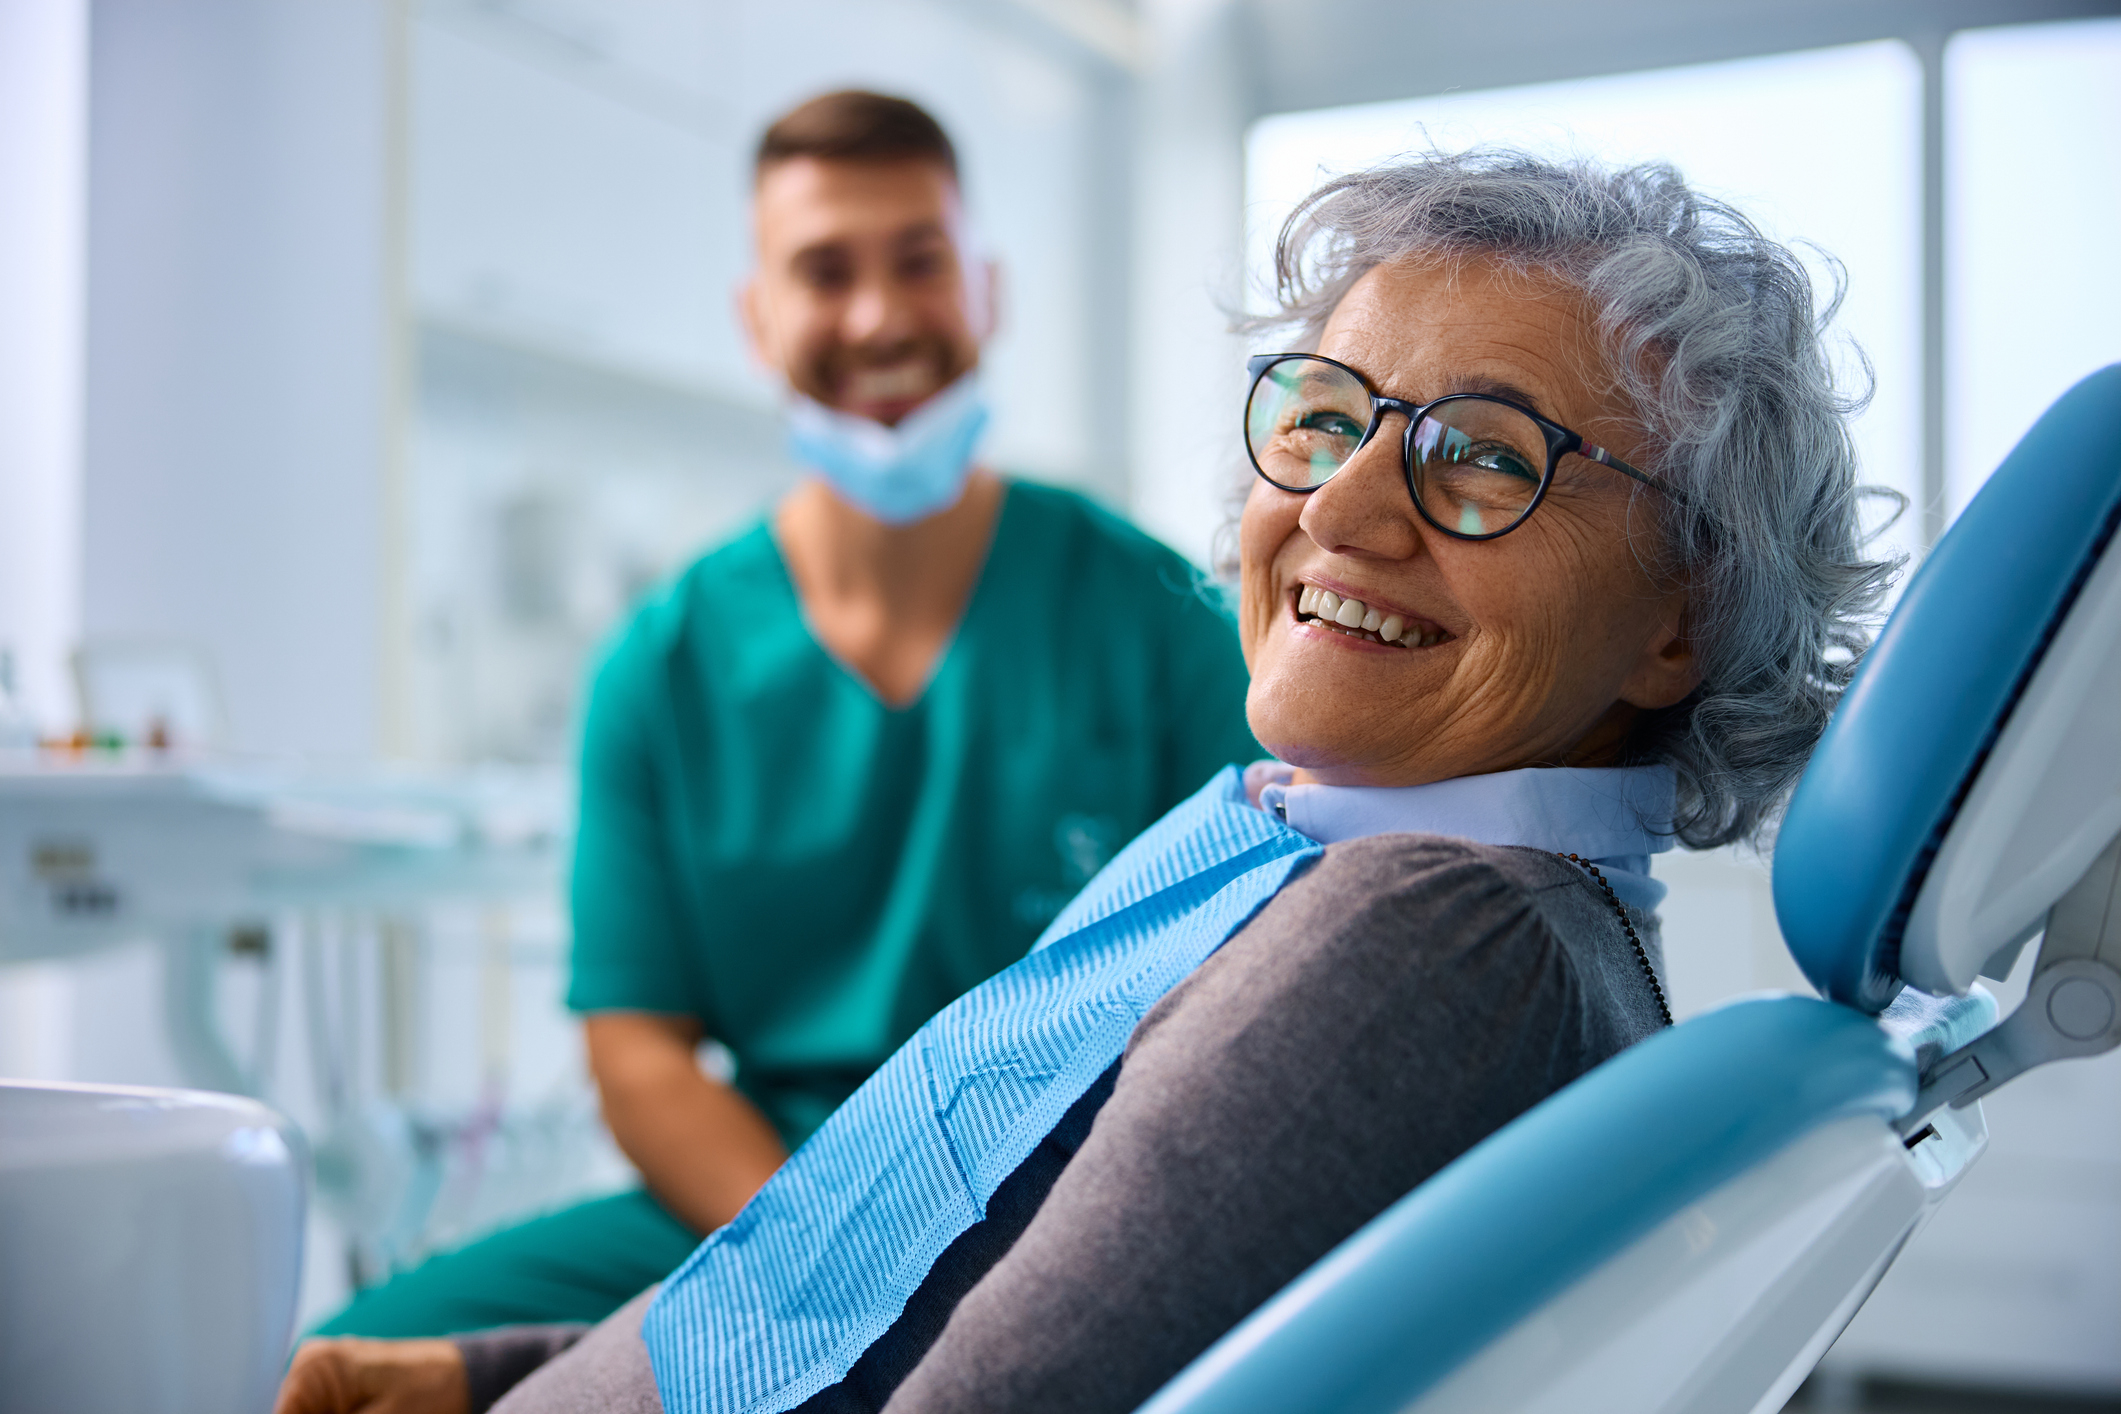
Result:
[[578, 1264]]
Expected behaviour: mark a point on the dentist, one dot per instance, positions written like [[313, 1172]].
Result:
[[846, 766]]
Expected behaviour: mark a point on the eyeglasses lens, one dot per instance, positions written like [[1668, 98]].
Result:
[[1475, 465], [1304, 421]]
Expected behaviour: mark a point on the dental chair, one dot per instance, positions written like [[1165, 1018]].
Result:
[[150, 1250], [1691, 1225]]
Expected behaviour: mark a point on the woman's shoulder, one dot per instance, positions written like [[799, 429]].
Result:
[[1449, 895], [1423, 930], [1435, 901]]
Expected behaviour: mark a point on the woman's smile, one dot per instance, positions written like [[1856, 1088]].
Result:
[[1331, 609]]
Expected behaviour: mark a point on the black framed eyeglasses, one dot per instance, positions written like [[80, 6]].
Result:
[[1476, 465]]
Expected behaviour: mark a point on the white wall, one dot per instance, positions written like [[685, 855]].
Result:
[[43, 138], [240, 322]]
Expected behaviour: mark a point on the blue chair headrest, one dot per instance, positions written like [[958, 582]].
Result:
[[1909, 738]]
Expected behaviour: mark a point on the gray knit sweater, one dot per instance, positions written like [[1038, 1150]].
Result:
[[1387, 1010]]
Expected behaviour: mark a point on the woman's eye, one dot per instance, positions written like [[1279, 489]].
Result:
[[1332, 424], [1502, 461]]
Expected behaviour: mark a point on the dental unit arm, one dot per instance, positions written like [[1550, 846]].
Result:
[[2072, 1007]]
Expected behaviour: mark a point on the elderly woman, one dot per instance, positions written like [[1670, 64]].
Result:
[[1552, 558]]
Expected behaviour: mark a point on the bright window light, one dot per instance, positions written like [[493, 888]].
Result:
[[1822, 146], [2033, 202]]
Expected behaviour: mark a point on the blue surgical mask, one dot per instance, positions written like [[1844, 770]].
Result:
[[897, 474]]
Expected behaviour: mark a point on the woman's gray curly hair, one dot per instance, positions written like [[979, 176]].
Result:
[[1709, 330]]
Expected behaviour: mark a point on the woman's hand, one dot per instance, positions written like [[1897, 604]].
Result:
[[375, 1377]]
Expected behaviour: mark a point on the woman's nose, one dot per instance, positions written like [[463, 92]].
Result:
[[1365, 509]]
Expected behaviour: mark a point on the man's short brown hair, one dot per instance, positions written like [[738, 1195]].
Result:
[[854, 125]]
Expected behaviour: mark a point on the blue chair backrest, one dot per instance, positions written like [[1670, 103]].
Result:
[[1910, 737]]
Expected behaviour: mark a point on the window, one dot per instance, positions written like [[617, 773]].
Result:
[[2033, 224]]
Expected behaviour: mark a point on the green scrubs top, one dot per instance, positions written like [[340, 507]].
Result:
[[766, 846]]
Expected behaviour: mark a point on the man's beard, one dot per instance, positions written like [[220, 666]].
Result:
[[898, 377]]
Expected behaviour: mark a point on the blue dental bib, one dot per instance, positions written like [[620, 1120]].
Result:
[[781, 1302]]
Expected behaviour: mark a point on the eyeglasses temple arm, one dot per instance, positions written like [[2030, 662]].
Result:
[[1605, 458]]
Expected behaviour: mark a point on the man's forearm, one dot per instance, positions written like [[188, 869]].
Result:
[[702, 1148]]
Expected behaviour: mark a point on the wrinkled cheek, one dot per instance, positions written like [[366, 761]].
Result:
[[1492, 686], [1536, 703], [1259, 608], [1269, 520]]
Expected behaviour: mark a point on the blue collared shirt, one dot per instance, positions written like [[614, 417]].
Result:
[[1615, 817]]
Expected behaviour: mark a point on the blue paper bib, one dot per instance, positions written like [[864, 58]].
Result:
[[781, 1302]]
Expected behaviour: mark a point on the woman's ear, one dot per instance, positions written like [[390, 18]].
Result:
[[1667, 670]]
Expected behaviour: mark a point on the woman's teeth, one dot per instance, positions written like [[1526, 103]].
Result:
[[1359, 620]]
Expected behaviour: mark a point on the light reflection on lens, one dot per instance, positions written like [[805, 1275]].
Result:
[[1477, 465], [1304, 422]]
